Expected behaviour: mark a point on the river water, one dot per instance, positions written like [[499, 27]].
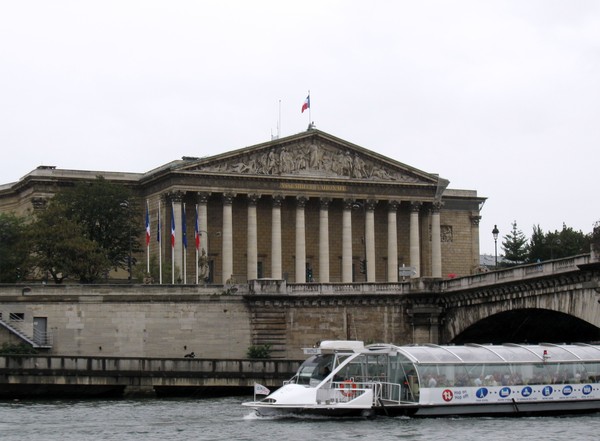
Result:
[[226, 419]]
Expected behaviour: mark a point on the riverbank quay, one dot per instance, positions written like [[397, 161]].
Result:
[[42, 376]]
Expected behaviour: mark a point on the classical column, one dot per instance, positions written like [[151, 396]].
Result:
[[252, 247], [415, 248], [203, 221], [227, 237], [300, 240], [324, 240], [392, 251], [347, 241], [176, 199], [276, 238], [370, 239], [436, 240]]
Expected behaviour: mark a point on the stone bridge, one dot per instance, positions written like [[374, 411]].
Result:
[[554, 301]]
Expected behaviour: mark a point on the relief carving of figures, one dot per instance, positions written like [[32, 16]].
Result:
[[311, 157]]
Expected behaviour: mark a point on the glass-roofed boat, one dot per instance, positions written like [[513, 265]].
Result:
[[348, 378]]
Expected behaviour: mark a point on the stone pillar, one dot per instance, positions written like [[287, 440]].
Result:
[[276, 272], [347, 241], [324, 240], [415, 247], [227, 237], [370, 239], [475, 219], [176, 247], [252, 246], [203, 221], [300, 240], [436, 240], [392, 249]]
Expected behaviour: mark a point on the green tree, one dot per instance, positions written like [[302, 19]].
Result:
[[594, 238], [87, 230], [14, 248], [515, 246], [556, 244], [60, 248]]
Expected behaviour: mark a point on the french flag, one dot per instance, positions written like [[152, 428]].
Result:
[[197, 231], [306, 104], [172, 227], [147, 225]]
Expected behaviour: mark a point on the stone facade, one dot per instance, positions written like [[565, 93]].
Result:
[[306, 208]]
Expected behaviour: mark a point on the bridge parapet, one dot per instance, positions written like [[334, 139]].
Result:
[[522, 272]]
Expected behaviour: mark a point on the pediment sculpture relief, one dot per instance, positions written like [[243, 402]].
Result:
[[310, 159]]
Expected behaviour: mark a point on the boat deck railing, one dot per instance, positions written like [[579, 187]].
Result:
[[346, 391]]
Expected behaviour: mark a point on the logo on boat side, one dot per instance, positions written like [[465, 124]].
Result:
[[567, 390], [504, 392], [587, 389], [481, 392], [447, 395], [526, 391], [547, 391]]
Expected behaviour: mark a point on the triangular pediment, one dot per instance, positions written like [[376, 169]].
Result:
[[311, 154]]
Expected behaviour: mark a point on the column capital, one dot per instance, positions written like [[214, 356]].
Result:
[[349, 203], [253, 199], [393, 205], [175, 196], [436, 206], [415, 206], [278, 200], [228, 198], [301, 201], [370, 204], [475, 220], [325, 203], [202, 197]]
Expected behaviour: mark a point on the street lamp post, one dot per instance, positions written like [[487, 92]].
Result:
[[495, 233]]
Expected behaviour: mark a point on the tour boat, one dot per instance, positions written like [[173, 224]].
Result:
[[347, 378]]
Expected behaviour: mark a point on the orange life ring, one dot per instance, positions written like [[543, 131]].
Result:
[[348, 388]]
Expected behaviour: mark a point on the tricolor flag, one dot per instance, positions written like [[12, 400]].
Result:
[[147, 225], [183, 228], [306, 104], [197, 231], [172, 226], [259, 389]]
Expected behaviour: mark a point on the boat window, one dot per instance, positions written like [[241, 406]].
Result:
[[315, 369]]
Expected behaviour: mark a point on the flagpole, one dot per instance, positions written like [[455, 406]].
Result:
[[184, 240], [148, 235], [196, 242], [172, 244], [309, 110], [159, 246]]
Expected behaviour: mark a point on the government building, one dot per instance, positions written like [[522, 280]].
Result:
[[307, 208]]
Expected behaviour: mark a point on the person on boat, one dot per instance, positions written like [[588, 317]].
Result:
[[431, 381]]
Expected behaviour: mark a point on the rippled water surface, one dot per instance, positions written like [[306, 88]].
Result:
[[226, 419]]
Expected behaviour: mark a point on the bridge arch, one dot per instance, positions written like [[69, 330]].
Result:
[[528, 326]]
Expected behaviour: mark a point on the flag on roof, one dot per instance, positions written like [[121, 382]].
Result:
[[306, 104]]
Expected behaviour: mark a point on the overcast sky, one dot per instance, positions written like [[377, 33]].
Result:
[[502, 97]]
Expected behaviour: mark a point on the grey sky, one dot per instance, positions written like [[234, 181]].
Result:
[[502, 97]]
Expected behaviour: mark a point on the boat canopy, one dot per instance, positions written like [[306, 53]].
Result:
[[506, 353]]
